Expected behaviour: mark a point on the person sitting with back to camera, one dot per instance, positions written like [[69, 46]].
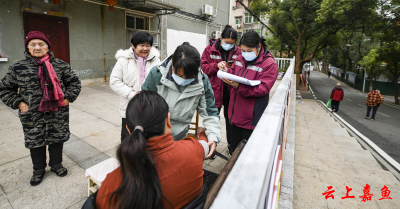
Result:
[[185, 88], [155, 171]]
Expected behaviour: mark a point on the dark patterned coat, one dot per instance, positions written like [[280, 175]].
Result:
[[22, 84]]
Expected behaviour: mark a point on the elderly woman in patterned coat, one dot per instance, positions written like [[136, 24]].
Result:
[[41, 87]]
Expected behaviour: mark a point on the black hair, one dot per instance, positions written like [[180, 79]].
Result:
[[188, 58], [252, 39], [229, 32], [140, 186], [141, 37]]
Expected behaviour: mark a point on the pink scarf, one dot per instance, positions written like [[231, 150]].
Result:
[[53, 97], [142, 67]]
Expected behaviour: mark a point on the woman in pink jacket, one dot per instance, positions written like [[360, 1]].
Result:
[[248, 103], [221, 52]]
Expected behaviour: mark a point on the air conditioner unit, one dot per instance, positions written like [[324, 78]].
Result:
[[207, 10], [216, 34], [234, 7], [238, 25]]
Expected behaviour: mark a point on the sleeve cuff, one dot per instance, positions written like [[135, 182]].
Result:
[[213, 138]]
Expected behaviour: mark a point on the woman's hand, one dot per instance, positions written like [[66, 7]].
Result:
[[23, 107], [212, 146], [222, 65], [231, 83], [66, 102]]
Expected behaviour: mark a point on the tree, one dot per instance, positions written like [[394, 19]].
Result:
[[388, 33], [390, 54], [310, 23], [371, 63]]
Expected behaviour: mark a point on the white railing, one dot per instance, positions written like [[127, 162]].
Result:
[[283, 62], [251, 184]]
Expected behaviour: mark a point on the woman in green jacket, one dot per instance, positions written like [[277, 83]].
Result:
[[183, 85]]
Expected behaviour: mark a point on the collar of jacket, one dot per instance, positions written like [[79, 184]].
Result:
[[160, 144], [338, 88], [128, 54], [166, 71], [215, 48], [28, 56]]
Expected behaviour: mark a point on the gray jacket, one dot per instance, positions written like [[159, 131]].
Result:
[[182, 106]]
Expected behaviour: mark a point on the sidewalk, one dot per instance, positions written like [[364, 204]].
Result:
[[326, 155], [95, 127]]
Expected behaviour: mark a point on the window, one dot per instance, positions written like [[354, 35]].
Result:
[[248, 18], [238, 20], [137, 22], [256, 30], [238, 5]]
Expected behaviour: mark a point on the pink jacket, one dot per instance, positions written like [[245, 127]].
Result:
[[248, 103], [209, 64]]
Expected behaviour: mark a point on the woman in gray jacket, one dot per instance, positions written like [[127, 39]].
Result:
[[180, 81]]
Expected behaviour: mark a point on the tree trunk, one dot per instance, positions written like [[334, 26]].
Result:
[[396, 91], [371, 84]]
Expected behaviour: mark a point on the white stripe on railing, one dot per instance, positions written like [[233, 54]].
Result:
[[247, 183]]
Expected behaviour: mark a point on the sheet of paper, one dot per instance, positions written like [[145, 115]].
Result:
[[238, 79]]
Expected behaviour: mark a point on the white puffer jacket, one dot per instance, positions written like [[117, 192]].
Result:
[[124, 78]]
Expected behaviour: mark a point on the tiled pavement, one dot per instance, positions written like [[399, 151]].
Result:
[[95, 134], [326, 155]]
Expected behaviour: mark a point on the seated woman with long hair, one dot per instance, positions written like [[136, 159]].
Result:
[[155, 171]]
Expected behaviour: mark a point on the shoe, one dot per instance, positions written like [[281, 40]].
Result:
[[333, 110], [59, 170], [372, 119], [366, 117], [37, 177]]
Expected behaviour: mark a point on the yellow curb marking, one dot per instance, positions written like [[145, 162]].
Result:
[[384, 114]]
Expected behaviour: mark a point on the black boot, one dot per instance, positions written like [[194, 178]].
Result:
[[59, 170], [37, 177]]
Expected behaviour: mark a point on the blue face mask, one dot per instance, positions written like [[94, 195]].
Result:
[[249, 56], [180, 81], [227, 47]]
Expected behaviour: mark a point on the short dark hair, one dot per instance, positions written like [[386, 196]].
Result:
[[188, 58], [141, 37], [229, 32]]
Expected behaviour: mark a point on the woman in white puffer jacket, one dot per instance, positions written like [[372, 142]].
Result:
[[131, 70]]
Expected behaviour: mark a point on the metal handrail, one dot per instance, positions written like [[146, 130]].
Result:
[[247, 184]]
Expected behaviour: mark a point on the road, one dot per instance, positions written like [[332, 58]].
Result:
[[384, 131]]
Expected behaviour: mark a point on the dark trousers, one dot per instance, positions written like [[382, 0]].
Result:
[[374, 110], [124, 131], [335, 105], [238, 134], [228, 128], [38, 156]]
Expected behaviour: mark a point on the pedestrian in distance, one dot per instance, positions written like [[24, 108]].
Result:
[[336, 96], [329, 74], [41, 87], [156, 171], [248, 103], [374, 100], [180, 81], [221, 52], [132, 67]]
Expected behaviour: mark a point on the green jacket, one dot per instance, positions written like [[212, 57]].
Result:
[[22, 84], [182, 106]]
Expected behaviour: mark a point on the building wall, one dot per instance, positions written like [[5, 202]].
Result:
[[195, 32], [240, 12], [95, 34]]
